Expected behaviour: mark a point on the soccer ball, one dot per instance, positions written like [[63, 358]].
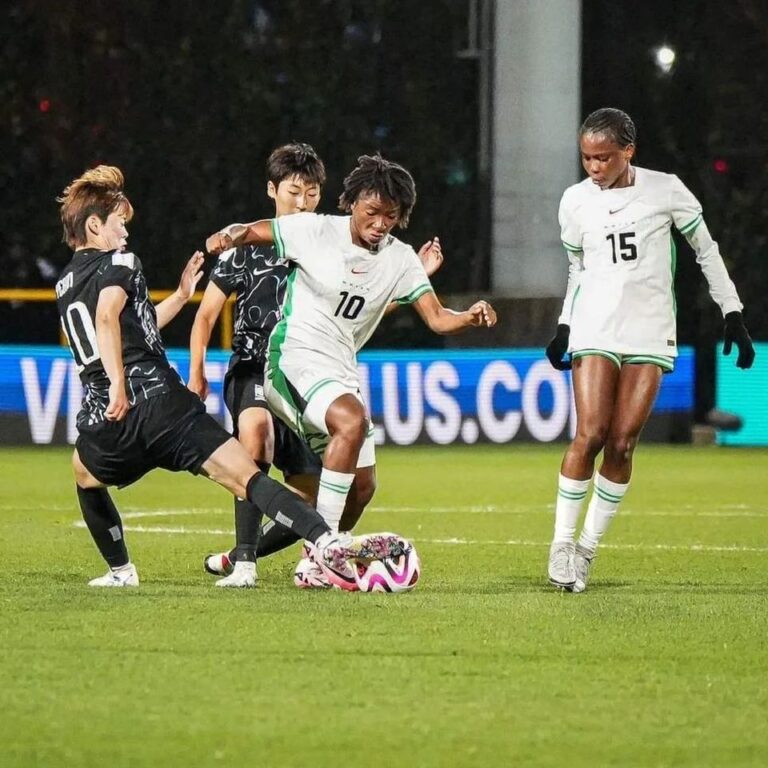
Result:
[[393, 574]]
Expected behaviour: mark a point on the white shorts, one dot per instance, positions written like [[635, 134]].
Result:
[[302, 405]]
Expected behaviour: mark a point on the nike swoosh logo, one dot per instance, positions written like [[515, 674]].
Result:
[[358, 272], [616, 210]]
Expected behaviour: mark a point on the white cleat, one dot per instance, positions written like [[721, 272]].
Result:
[[582, 561], [218, 564], [243, 576], [309, 575], [562, 571], [333, 552], [125, 576]]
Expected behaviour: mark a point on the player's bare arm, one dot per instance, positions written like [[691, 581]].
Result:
[[256, 233], [207, 314], [446, 321], [190, 277], [431, 256], [111, 303]]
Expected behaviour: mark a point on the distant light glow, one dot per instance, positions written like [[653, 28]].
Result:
[[44, 105], [665, 58], [720, 165]]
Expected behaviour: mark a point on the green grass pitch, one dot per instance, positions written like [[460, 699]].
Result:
[[662, 662]]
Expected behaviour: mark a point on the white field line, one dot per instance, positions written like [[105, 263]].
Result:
[[687, 510], [181, 530]]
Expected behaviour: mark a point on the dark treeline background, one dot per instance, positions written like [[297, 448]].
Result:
[[190, 97]]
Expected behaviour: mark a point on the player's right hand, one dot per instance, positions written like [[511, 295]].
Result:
[[119, 405], [557, 348], [218, 243], [198, 385]]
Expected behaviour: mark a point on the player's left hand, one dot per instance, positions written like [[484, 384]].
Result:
[[191, 276], [483, 314], [736, 333], [431, 255]]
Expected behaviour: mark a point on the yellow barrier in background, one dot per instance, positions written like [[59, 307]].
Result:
[[48, 294]]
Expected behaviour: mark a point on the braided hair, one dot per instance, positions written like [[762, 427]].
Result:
[[614, 123], [377, 176]]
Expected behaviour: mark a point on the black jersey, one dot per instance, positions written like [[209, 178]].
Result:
[[147, 371], [258, 277]]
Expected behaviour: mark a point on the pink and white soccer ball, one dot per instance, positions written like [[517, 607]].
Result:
[[393, 574]]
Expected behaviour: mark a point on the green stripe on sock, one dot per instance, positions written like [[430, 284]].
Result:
[[574, 496], [605, 496], [335, 487]]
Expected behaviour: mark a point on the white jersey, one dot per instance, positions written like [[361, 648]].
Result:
[[335, 297], [620, 294]]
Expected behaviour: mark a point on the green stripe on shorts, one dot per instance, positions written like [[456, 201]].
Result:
[[612, 356], [665, 363]]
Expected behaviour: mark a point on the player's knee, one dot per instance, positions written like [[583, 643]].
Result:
[[590, 441], [255, 433], [351, 427], [346, 419], [619, 448]]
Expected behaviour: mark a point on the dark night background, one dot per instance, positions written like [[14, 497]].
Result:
[[189, 98]]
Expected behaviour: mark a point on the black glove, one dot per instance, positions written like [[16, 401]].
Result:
[[736, 333], [557, 348]]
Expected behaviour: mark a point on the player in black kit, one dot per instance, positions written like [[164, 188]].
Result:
[[258, 277], [136, 413]]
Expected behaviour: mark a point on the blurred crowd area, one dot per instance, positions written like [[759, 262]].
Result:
[[188, 98]]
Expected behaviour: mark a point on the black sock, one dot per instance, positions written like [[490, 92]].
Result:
[[285, 507], [247, 528], [103, 521], [275, 537]]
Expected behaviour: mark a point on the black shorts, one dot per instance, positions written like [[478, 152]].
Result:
[[244, 388], [168, 431]]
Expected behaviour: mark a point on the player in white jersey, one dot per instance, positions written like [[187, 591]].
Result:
[[618, 322], [348, 270]]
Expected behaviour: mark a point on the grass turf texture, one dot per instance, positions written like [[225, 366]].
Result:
[[662, 662]]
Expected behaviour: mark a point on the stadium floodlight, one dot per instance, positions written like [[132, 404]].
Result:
[[665, 58]]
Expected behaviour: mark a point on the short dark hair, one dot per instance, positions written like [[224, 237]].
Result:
[[295, 159], [616, 123], [388, 180]]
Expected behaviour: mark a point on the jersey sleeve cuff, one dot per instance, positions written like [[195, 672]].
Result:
[[572, 248], [415, 294]]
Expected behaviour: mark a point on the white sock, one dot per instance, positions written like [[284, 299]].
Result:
[[123, 568], [570, 496], [332, 495], [606, 497]]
